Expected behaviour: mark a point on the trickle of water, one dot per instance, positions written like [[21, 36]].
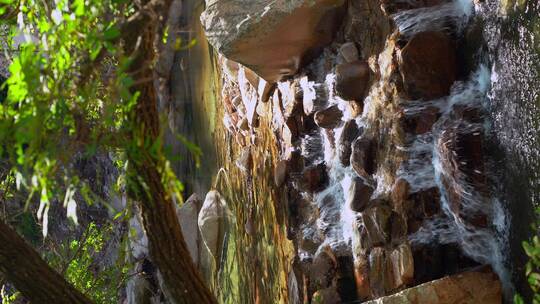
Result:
[[452, 16]]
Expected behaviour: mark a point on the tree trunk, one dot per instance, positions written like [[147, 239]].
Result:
[[23, 267], [167, 248]]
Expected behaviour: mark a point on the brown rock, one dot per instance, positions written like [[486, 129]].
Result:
[[377, 272], [323, 270], [399, 227], [280, 173], [400, 193], [428, 65], [368, 24], [360, 239], [420, 123], [352, 80], [348, 135], [402, 263], [461, 153], [472, 287], [269, 89], [359, 195], [377, 222], [328, 295], [295, 162], [329, 118], [315, 178], [361, 274], [345, 278], [363, 157], [310, 243], [272, 44], [428, 200]]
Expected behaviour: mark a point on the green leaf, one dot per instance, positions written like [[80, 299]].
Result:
[[112, 32]]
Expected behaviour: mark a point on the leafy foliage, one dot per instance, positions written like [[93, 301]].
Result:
[[100, 283], [532, 249]]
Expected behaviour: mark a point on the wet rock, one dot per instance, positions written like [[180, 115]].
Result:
[[280, 173], [188, 218], [349, 52], [269, 89], [310, 243], [345, 278], [328, 295], [271, 44], [359, 195], [352, 80], [377, 222], [402, 263], [367, 22], [428, 65], [393, 6], [348, 135], [323, 269], [399, 227], [315, 178], [471, 287], [245, 161], [295, 162], [400, 194], [293, 127], [428, 200], [377, 272], [329, 118], [461, 153], [420, 123], [361, 274], [360, 239], [363, 157]]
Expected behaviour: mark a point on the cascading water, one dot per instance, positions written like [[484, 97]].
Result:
[[427, 166], [486, 243]]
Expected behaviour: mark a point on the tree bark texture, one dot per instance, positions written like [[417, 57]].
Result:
[[23, 267], [167, 247]]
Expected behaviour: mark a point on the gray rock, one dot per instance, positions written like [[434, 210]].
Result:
[[349, 52], [213, 222], [188, 217]]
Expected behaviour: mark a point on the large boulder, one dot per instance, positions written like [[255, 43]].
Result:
[[213, 222], [267, 37], [428, 65], [188, 218], [475, 286]]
